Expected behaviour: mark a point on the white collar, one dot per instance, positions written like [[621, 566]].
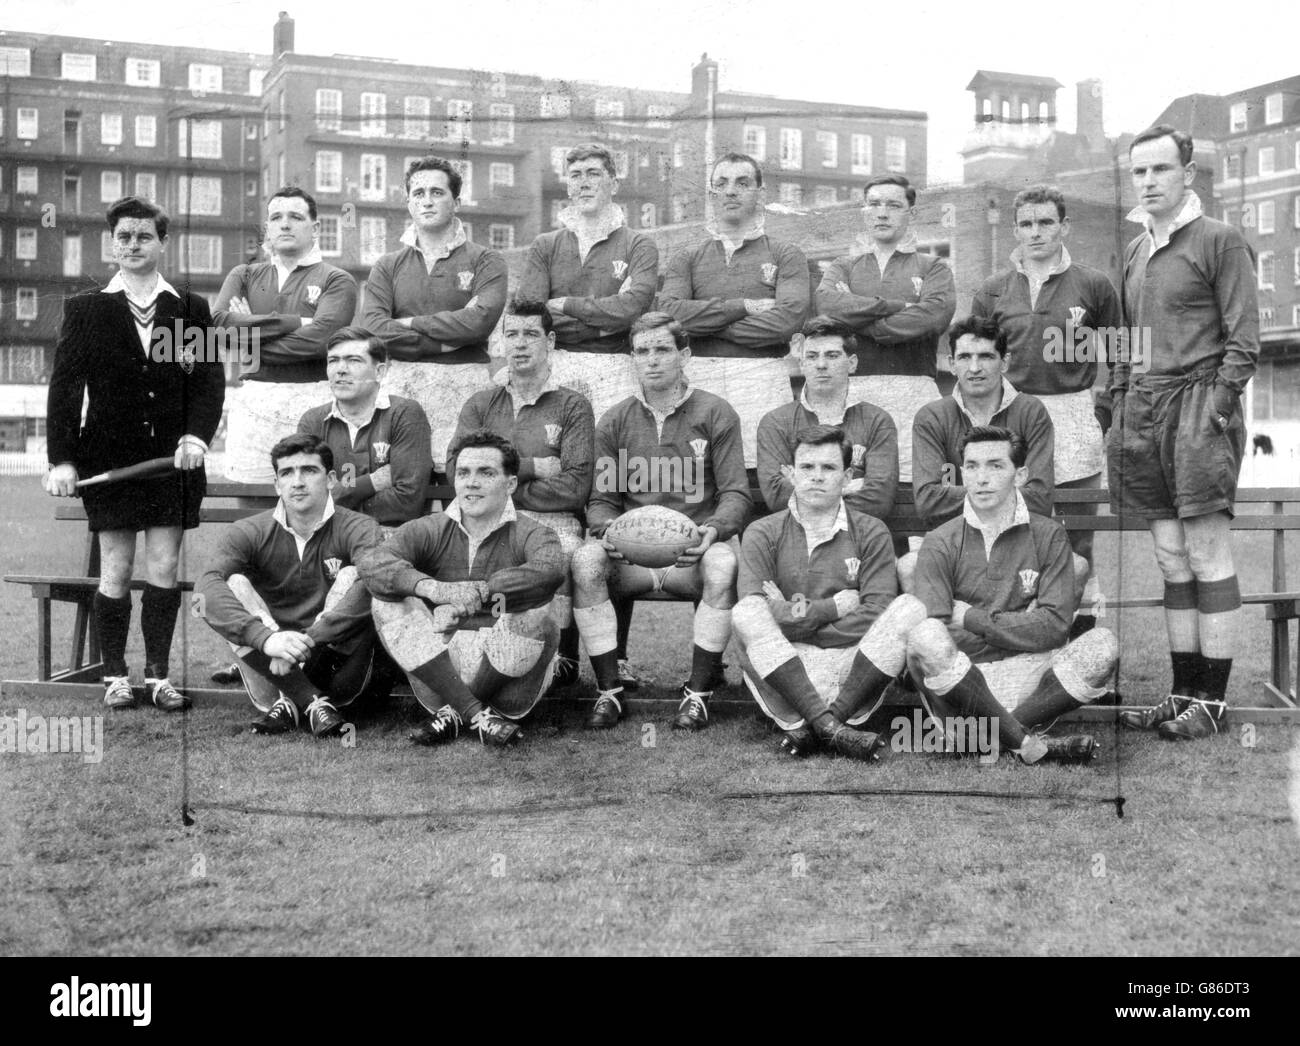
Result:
[[1021, 516], [118, 284], [382, 402], [1188, 213], [841, 516], [752, 233], [508, 515], [1062, 263], [312, 257], [282, 518], [865, 243], [1009, 392], [502, 378], [411, 238], [610, 220], [639, 392], [803, 402]]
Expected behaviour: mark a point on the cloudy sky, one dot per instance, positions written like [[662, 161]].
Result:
[[915, 56]]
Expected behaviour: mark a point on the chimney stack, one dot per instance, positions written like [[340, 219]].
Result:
[[704, 78], [282, 39], [1088, 122]]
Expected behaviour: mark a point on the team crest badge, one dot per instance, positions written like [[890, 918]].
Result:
[[859, 455], [699, 446], [466, 280], [553, 435], [620, 269], [1076, 315], [851, 568], [917, 284], [380, 452], [769, 272], [1028, 582], [187, 357], [313, 294], [332, 566]]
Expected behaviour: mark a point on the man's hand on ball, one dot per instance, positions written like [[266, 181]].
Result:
[[708, 535]]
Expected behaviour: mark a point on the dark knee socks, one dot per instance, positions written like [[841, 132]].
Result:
[[158, 610], [112, 622]]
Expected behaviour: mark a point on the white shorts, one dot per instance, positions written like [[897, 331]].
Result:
[[753, 386], [261, 413], [441, 389], [1077, 452], [900, 396]]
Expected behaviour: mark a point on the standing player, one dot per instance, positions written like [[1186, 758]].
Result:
[[1176, 446], [1059, 317], [898, 301], [998, 589], [552, 429], [435, 302], [596, 277], [741, 296], [128, 350], [291, 305], [283, 591], [689, 441], [827, 356], [815, 579], [461, 600]]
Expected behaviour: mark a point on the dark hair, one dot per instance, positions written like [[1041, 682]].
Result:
[[891, 179], [1039, 194], [484, 438], [1164, 130], [591, 151], [739, 158], [825, 327], [302, 443], [134, 207], [435, 163], [977, 327], [652, 321], [824, 436], [375, 346], [529, 307], [997, 434], [292, 192]]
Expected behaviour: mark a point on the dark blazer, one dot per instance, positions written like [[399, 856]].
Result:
[[140, 404]]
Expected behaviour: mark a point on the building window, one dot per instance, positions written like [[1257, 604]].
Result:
[[329, 171], [329, 109], [374, 176], [1267, 217], [71, 254], [205, 78], [460, 120], [557, 208], [1237, 118], [609, 109], [110, 186], [71, 193], [146, 132], [558, 153], [1232, 166], [110, 128], [143, 72], [26, 304], [374, 239], [198, 195], [256, 77], [790, 194], [1266, 317], [373, 109], [28, 123], [1266, 161], [26, 184], [679, 154], [791, 149], [657, 116], [1273, 108], [501, 176], [15, 61], [415, 116], [555, 105], [501, 122], [1295, 315], [621, 163], [465, 168], [266, 181], [199, 139], [1266, 270], [200, 253], [680, 206], [78, 67], [25, 245], [330, 238], [860, 153], [106, 247], [756, 141], [501, 237], [281, 177], [828, 144], [146, 186], [895, 154], [823, 195]]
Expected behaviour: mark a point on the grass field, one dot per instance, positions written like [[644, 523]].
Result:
[[632, 842]]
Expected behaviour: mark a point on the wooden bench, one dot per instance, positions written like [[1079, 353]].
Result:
[[1257, 509]]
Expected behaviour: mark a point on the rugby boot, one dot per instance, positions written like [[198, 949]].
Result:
[[1150, 718], [607, 710], [1201, 718], [693, 712]]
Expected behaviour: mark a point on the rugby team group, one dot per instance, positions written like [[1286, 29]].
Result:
[[622, 389]]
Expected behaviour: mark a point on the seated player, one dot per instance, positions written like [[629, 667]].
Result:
[[283, 591], [687, 442], [462, 596], [815, 580], [982, 396], [998, 588], [827, 357], [552, 428]]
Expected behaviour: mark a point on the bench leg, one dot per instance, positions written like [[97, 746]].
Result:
[[44, 669]]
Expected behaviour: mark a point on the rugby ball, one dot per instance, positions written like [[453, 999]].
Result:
[[652, 536]]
